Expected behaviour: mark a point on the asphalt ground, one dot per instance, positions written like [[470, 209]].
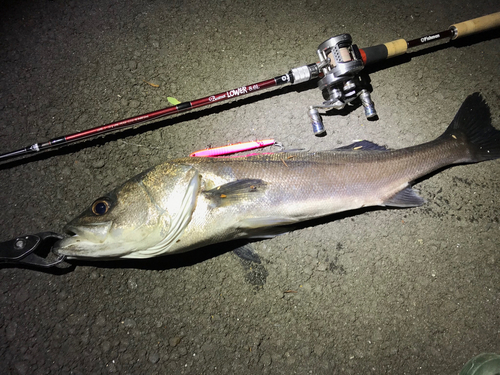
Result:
[[381, 291]]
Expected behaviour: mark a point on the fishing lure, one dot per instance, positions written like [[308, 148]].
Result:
[[233, 148]]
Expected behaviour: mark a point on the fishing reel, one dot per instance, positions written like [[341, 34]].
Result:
[[340, 63]]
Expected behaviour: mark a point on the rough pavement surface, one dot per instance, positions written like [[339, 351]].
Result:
[[414, 291]]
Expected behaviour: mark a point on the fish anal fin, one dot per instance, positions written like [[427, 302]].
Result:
[[235, 191], [405, 198]]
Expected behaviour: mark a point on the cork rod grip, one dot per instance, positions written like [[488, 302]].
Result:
[[476, 25], [396, 47]]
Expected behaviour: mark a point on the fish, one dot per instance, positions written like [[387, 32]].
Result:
[[192, 202]]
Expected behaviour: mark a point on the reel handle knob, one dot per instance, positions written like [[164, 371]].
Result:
[[316, 121]]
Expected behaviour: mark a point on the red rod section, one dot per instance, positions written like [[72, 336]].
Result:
[[173, 110], [212, 99]]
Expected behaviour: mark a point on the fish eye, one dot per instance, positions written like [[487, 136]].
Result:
[[100, 207]]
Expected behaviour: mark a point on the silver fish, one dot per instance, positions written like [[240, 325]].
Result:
[[192, 202]]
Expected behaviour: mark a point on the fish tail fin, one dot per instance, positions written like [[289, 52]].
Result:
[[472, 126]]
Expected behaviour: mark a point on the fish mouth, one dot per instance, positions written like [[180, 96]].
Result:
[[71, 231], [82, 240], [95, 232]]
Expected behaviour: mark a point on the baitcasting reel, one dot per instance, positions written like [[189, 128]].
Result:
[[340, 63]]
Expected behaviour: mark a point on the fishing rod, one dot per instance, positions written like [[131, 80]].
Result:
[[340, 63]]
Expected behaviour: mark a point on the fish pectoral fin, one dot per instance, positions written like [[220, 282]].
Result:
[[255, 272], [235, 191], [362, 146], [246, 252], [405, 198]]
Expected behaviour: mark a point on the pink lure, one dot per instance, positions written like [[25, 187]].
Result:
[[231, 149]]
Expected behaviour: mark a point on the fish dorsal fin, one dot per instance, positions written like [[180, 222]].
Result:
[[362, 146], [235, 192], [405, 198]]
